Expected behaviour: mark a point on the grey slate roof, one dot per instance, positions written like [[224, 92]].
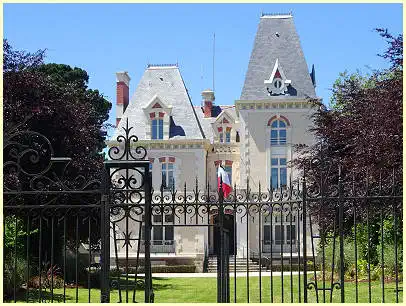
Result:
[[286, 48], [166, 82]]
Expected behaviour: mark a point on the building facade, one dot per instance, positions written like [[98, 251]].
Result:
[[253, 139]]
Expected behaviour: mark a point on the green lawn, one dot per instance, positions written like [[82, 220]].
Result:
[[177, 290]]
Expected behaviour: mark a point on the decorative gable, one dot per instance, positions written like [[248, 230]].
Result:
[[277, 82]]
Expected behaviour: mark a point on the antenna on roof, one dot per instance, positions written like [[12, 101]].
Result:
[[214, 48]]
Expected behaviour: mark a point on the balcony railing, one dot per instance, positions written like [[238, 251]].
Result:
[[160, 246]]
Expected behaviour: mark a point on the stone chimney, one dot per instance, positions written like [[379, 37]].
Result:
[[123, 86], [208, 99]]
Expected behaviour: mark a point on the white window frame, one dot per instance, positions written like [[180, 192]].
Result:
[[277, 222], [159, 128], [279, 166], [279, 141], [168, 185]]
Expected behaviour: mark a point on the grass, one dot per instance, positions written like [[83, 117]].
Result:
[[204, 290]]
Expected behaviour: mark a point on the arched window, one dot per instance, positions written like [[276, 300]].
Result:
[[278, 132]]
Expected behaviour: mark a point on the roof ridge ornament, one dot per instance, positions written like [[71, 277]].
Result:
[[277, 15], [279, 82], [161, 65]]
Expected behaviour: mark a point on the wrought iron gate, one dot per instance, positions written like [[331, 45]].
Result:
[[98, 233]]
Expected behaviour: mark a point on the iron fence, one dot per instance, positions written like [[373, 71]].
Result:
[[330, 236]]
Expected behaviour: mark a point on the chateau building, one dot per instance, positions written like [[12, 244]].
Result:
[[252, 139]]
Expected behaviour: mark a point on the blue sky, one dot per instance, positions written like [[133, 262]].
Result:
[[105, 38]]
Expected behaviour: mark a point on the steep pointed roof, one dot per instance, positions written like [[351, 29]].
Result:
[[163, 82], [277, 41]]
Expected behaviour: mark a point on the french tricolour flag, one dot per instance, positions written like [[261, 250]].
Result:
[[223, 176]]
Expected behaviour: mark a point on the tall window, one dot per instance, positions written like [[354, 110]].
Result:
[[221, 137], [157, 126], [229, 171], [168, 180], [278, 172], [278, 132]]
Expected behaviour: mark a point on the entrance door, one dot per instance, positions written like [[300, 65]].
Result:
[[229, 226]]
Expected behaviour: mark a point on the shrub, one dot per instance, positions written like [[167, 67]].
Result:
[[158, 269], [9, 273], [389, 261]]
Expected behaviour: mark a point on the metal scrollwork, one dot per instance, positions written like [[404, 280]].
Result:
[[127, 147]]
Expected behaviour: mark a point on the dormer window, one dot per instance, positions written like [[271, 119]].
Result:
[[157, 126], [158, 113], [277, 81], [224, 134]]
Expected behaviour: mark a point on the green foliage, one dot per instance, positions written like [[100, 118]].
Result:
[[361, 245], [54, 100], [13, 274], [14, 230], [388, 248]]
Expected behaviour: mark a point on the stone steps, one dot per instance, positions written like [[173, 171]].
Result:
[[240, 265]]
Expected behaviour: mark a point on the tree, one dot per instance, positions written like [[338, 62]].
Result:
[[58, 104], [361, 130], [55, 101]]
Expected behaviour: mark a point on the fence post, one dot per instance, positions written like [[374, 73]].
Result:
[[148, 226], [223, 289], [105, 250], [304, 232], [341, 229]]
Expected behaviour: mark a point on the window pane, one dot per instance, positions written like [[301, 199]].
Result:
[[157, 233], [171, 180], [274, 124], [283, 177], [228, 169], [274, 137], [291, 234], [228, 136], [157, 218], [274, 177], [267, 234], [154, 129], [282, 123], [282, 136], [274, 161], [161, 129], [278, 234], [169, 218], [164, 182], [170, 166], [282, 161], [168, 232], [221, 137]]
